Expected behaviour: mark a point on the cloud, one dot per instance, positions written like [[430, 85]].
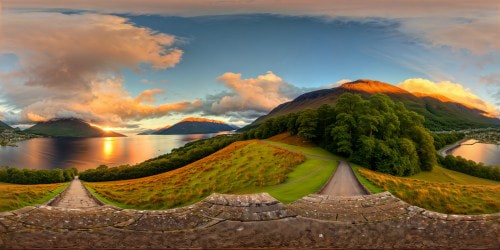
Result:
[[111, 106], [463, 24], [260, 94], [148, 95], [70, 65], [451, 90], [493, 80], [335, 84], [360, 8], [478, 35]]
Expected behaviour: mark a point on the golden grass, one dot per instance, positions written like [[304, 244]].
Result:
[[440, 174], [444, 197], [13, 196], [289, 139], [242, 165]]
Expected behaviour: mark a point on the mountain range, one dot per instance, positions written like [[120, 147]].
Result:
[[70, 127], [440, 112], [4, 126], [193, 125]]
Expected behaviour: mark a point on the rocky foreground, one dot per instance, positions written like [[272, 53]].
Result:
[[251, 221]]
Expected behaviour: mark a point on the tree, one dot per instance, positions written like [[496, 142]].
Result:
[[425, 147], [307, 123], [342, 140]]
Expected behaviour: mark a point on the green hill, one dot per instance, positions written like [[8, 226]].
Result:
[[4, 126], [69, 127], [195, 126], [241, 167], [439, 113]]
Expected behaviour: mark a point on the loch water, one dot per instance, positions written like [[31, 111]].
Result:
[[488, 154], [85, 153]]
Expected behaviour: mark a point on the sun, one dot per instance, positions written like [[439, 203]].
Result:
[[107, 129]]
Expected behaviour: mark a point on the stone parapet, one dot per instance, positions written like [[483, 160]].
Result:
[[251, 221]]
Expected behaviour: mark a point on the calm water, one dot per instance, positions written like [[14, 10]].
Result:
[[489, 154], [85, 153]]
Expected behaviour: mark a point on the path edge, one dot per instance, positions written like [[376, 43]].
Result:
[[329, 179], [99, 202], [58, 196]]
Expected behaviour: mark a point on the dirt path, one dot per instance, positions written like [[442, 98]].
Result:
[[343, 182], [76, 197]]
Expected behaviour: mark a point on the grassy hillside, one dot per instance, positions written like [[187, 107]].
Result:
[[440, 174], [240, 167], [13, 196], [441, 190]]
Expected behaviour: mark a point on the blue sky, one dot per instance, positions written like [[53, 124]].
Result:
[[126, 69], [306, 51]]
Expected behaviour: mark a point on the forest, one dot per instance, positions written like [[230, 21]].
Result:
[[376, 133], [443, 139]]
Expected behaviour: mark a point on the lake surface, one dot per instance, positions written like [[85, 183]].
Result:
[[85, 153], [489, 154]]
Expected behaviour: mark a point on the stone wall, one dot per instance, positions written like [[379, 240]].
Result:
[[251, 221]]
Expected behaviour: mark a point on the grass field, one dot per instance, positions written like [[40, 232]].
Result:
[[307, 178], [13, 196], [440, 174], [242, 167], [374, 189], [435, 191]]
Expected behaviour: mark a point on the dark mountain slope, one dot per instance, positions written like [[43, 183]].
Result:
[[70, 127], [4, 126], [439, 113], [196, 126]]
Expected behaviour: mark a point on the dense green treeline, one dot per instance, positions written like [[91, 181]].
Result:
[[179, 157], [34, 176], [376, 132], [469, 167], [443, 139]]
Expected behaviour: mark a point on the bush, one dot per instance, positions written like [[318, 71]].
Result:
[[460, 164], [33, 176]]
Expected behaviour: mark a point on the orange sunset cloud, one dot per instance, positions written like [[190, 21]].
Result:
[[454, 91]]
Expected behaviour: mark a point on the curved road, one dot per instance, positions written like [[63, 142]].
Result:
[[444, 151], [343, 183]]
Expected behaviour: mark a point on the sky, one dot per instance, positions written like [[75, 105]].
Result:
[[133, 65]]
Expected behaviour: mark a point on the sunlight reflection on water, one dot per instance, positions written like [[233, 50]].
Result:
[[489, 154], [85, 153]]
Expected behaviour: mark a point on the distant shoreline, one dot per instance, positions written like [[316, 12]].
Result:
[[446, 149]]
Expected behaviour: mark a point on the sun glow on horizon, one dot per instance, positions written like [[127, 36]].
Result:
[[108, 147]]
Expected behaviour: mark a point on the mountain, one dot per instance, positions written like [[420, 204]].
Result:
[[70, 127], [196, 126], [4, 126], [440, 112], [148, 132], [153, 131]]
